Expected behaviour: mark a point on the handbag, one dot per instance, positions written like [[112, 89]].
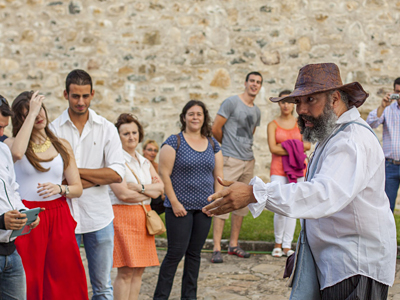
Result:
[[154, 224], [304, 279]]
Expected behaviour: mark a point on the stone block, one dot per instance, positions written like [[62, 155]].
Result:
[[270, 58], [304, 44], [29, 35], [152, 38], [116, 10], [74, 7], [159, 99], [8, 65], [221, 79]]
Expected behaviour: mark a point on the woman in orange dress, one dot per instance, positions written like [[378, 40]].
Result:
[[279, 130], [134, 248]]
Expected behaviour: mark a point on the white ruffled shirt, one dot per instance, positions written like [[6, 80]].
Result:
[[350, 227]]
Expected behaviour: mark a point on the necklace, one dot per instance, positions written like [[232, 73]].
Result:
[[39, 148]]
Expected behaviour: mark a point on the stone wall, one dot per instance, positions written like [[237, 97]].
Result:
[[150, 57]]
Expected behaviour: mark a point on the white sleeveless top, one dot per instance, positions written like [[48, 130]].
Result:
[[142, 171], [28, 177]]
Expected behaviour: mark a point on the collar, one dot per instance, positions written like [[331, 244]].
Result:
[[351, 115], [93, 117], [130, 159]]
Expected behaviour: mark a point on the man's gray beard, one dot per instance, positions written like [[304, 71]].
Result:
[[323, 126]]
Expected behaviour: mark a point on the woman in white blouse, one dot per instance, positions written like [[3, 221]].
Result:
[[134, 248]]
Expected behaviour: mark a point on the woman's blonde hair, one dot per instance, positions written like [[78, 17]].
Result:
[[150, 142]]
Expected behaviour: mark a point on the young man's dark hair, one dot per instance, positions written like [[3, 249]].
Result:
[[5, 109], [78, 77], [254, 73], [285, 92], [396, 81]]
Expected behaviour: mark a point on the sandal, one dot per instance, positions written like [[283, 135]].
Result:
[[238, 252], [277, 252], [216, 257]]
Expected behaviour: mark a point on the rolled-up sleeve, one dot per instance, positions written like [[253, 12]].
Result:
[[373, 119], [114, 157]]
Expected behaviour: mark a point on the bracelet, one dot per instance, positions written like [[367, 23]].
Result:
[[60, 189]]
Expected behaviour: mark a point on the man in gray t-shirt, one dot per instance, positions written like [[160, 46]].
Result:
[[234, 127]]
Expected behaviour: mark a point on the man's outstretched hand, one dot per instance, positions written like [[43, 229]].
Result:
[[235, 196]]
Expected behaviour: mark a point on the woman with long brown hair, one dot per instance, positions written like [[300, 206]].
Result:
[[50, 255]]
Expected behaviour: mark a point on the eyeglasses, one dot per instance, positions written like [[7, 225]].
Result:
[[152, 150], [3, 100]]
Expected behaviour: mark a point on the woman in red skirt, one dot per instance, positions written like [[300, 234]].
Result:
[[50, 255]]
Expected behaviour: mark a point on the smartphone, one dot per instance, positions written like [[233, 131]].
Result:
[[31, 215]]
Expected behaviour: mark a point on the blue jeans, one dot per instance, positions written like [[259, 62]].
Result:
[[392, 182], [99, 246], [186, 237], [12, 277]]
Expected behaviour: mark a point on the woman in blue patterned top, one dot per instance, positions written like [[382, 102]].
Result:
[[190, 163]]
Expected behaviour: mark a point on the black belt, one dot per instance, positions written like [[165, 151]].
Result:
[[395, 162]]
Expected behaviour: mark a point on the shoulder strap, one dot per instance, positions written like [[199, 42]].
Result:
[[137, 179], [178, 141], [142, 203], [211, 142]]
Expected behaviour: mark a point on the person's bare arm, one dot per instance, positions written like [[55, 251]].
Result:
[[165, 166], [273, 146], [307, 146], [385, 102], [72, 179], [216, 129], [218, 171], [71, 173], [124, 193], [19, 144], [153, 190], [237, 195], [100, 176]]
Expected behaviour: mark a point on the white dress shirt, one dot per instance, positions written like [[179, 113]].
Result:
[[142, 171], [9, 196], [97, 147], [350, 227]]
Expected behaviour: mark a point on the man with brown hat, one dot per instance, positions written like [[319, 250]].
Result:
[[350, 227]]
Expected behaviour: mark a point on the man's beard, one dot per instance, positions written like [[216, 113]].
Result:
[[323, 125]]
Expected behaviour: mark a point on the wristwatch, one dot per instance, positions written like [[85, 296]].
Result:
[[66, 190], [142, 191]]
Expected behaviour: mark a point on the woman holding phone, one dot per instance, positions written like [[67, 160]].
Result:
[[50, 255]]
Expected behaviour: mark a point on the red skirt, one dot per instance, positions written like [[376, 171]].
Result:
[[51, 256]]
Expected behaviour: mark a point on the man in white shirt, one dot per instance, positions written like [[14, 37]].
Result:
[[98, 153], [350, 227]]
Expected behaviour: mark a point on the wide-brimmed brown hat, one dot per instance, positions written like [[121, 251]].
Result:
[[317, 78]]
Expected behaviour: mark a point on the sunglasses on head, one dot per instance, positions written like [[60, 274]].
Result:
[[3, 100]]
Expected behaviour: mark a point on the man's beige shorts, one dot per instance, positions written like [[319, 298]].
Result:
[[237, 170]]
